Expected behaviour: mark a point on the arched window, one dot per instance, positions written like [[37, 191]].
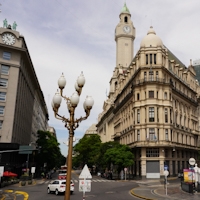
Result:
[[126, 19], [115, 85]]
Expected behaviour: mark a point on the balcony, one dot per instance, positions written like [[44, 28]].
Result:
[[151, 79]]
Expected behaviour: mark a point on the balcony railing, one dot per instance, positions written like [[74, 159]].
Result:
[[150, 80]]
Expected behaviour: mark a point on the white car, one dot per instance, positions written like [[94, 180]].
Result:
[[58, 186]]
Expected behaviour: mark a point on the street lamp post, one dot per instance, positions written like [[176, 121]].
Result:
[[71, 123], [27, 162]]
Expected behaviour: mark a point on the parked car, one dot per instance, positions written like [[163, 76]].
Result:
[[58, 186]]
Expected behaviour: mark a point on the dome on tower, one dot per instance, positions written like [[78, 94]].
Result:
[[125, 9], [151, 39]]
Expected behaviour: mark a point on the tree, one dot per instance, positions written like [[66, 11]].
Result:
[[119, 155], [49, 151], [86, 151], [102, 163]]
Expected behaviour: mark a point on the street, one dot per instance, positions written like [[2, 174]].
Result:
[[100, 189]]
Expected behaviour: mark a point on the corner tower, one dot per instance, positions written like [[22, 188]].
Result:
[[124, 37]]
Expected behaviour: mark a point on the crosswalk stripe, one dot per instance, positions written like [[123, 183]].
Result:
[[76, 181]]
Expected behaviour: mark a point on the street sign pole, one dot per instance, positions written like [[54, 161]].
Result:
[[84, 190], [192, 162], [166, 173], [85, 185]]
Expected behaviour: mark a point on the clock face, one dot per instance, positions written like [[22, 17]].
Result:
[[8, 38], [126, 29]]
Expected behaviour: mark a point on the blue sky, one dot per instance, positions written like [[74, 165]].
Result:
[[71, 36]]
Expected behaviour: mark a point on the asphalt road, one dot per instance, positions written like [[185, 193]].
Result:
[[100, 189]]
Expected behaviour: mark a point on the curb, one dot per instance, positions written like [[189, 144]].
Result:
[[138, 196], [18, 192]]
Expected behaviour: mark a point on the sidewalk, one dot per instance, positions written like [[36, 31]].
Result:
[[154, 190]]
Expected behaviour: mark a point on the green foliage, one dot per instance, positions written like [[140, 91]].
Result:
[[87, 151], [119, 155], [49, 152], [102, 162], [91, 151]]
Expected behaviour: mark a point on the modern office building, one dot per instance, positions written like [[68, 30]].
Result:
[[153, 104], [23, 110]]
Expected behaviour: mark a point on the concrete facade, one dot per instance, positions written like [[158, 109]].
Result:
[[152, 106], [23, 109]]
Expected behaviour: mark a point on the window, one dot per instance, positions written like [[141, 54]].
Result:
[[166, 135], [154, 58], [170, 115], [165, 95], [2, 96], [178, 154], [115, 85], [157, 76], [173, 153], [5, 69], [6, 55], [166, 115], [152, 135], [146, 59], [152, 152], [138, 135], [125, 19], [138, 96], [138, 116], [151, 75], [3, 82], [151, 114], [1, 124], [151, 94], [166, 153], [2, 110], [145, 76], [150, 58], [157, 114]]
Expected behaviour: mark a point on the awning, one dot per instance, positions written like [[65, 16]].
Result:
[[10, 174]]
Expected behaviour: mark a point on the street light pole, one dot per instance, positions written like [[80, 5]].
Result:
[[71, 123], [27, 162]]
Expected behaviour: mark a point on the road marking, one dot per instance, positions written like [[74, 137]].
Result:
[[18, 193]]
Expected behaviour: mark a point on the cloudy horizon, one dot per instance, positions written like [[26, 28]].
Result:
[[73, 36]]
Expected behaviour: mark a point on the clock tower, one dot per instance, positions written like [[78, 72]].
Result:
[[124, 37]]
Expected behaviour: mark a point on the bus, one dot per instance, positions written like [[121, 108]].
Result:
[[62, 173]]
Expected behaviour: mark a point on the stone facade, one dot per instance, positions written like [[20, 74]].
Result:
[[153, 104]]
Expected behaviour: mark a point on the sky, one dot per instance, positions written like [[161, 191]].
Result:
[[71, 36]]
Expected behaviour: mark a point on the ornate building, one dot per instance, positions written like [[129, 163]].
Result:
[[153, 104]]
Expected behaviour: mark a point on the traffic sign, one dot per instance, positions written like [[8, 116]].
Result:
[[166, 173], [85, 173], [84, 185], [192, 161]]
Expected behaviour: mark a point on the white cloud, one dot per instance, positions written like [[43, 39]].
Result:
[[74, 36]]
